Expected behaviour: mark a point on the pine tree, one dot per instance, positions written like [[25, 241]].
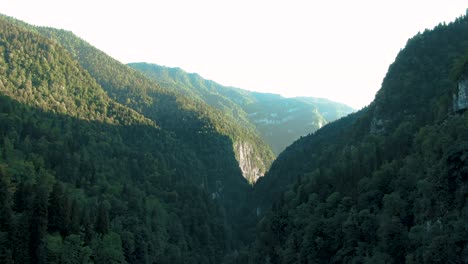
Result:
[[21, 238], [102, 219], [6, 215], [74, 252], [108, 249], [38, 225], [75, 217], [59, 211]]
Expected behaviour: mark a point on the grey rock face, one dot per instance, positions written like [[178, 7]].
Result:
[[247, 162], [460, 100]]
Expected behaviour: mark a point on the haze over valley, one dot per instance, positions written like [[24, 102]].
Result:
[[110, 162]]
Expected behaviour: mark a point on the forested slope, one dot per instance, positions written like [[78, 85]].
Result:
[[384, 185], [84, 178], [330, 110], [100, 164], [205, 131], [191, 120], [278, 120]]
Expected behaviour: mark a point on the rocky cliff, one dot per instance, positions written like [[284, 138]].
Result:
[[249, 162], [460, 100]]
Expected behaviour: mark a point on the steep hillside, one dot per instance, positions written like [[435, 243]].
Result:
[[202, 129], [384, 185], [34, 71], [84, 178], [280, 121], [172, 110], [328, 109], [227, 99]]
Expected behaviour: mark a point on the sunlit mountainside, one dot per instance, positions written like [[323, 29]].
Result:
[[278, 120], [102, 162]]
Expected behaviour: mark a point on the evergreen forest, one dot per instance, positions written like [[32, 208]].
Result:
[[102, 162]]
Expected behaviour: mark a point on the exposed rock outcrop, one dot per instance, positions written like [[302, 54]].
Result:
[[460, 100], [249, 162]]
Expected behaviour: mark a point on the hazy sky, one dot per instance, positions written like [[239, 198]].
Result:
[[338, 49]]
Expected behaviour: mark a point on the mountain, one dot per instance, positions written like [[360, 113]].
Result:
[[281, 120], [228, 99], [386, 184], [218, 144], [278, 120], [161, 104], [330, 110], [102, 163], [251, 151], [84, 178]]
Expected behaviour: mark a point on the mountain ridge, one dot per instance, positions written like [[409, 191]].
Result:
[[87, 178], [383, 185], [101, 163], [141, 94], [269, 114]]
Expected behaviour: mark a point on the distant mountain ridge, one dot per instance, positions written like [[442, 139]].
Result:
[[330, 110], [280, 121], [100, 163]]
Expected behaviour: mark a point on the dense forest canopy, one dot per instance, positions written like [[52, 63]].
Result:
[[83, 174], [100, 163], [193, 121], [384, 185], [279, 121]]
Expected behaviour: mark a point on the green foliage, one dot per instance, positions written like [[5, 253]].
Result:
[[37, 72], [87, 176], [330, 110], [278, 120], [138, 208], [281, 121], [222, 105], [385, 185], [74, 251], [6, 216], [95, 176], [202, 130], [227, 99], [107, 249]]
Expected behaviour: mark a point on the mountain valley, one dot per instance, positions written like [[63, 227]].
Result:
[[278, 120], [105, 162]]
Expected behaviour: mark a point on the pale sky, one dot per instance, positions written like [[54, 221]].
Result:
[[338, 49]]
